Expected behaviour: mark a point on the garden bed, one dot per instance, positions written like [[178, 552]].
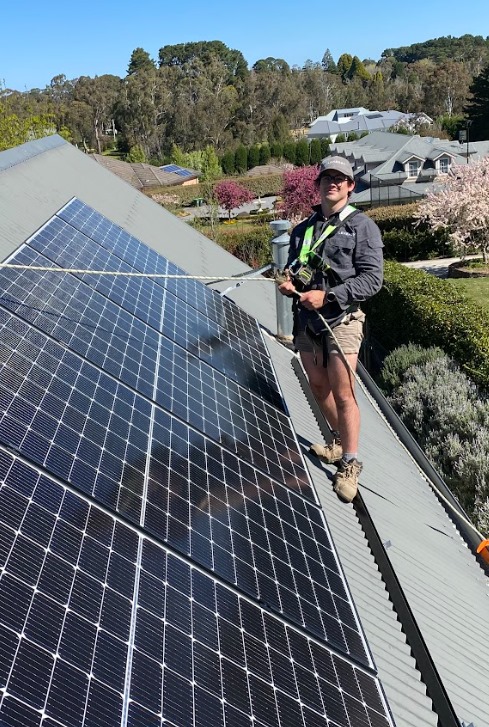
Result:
[[468, 269]]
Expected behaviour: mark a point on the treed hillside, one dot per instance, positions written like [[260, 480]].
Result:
[[468, 48], [203, 94]]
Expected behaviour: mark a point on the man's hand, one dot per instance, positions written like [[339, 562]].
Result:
[[287, 287], [313, 299]]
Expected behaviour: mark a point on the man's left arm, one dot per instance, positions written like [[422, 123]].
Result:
[[369, 266]]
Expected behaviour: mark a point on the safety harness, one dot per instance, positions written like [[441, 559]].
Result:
[[307, 250]]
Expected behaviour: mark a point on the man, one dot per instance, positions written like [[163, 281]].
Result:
[[335, 262]]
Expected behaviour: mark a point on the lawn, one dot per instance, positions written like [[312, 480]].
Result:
[[477, 289]]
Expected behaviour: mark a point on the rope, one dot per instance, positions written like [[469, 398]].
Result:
[[81, 271]]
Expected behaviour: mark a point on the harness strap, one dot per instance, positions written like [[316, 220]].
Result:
[[306, 248]]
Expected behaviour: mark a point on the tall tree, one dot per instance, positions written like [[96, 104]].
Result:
[[271, 64], [358, 70], [140, 60], [477, 109], [344, 65], [182, 54], [100, 94], [328, 63], [15, 130]]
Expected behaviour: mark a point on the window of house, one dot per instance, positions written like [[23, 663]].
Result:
[[444, 165], [413, 168]]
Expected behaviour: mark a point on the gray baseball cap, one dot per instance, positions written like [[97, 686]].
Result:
[[337, 164]]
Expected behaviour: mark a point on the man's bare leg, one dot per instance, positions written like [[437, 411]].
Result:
[[318, 378], [342, 386]]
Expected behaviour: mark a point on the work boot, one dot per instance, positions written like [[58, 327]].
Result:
[[346, 479], [329, 453]]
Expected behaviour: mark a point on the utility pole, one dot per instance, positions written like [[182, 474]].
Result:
[[467, 127]]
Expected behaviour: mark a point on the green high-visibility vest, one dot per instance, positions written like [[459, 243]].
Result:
[[306, 248]]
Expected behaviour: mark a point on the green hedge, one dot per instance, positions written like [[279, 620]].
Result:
[[415, 307], [405, 239]]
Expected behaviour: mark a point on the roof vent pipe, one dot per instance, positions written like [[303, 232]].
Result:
[[280, 252]]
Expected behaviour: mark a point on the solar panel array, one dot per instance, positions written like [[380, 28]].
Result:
[[177, 170], [164, 559]]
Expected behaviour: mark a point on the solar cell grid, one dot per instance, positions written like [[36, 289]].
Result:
[[122, 345], [186, 490], [246, 363], [69, 311], [144, 259], [109, 630]]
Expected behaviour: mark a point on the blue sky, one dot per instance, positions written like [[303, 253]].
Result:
[[42, 40]]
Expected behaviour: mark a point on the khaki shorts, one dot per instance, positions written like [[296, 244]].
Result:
[[349, 334]]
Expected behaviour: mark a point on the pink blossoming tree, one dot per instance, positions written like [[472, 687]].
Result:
[[299, 193], [461, 205], [229, 195]]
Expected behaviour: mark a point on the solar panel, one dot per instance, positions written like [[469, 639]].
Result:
[[164, 561], [176, 170], [111, 628], [145, 260], [170, 168]]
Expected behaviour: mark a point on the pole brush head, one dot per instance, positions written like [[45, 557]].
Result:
[[281, 276]]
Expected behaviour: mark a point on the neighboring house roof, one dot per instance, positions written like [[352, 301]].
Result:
[[381, 158], [265, 169], [342, 121], [445, 587], [144, 176]]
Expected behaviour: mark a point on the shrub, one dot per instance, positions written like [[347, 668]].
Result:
[[252, 246], [315, 151], [405, 238], [227, 162], [277, 150], [241, 159], [136, 154], [253, 157], [400, 360], [414, 307], [290, 148], [447, 415], [302, 153], [265, 154], [254, 250], [325, 144]]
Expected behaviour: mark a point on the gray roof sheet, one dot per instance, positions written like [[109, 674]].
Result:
[[447, 591]]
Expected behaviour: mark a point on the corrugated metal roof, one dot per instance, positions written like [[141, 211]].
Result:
[[397, 670], [447, 591]]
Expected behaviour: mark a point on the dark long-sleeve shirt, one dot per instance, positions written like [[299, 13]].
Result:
[[354, 252]]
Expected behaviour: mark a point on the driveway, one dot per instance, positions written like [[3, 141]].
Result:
[[438, 266]]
